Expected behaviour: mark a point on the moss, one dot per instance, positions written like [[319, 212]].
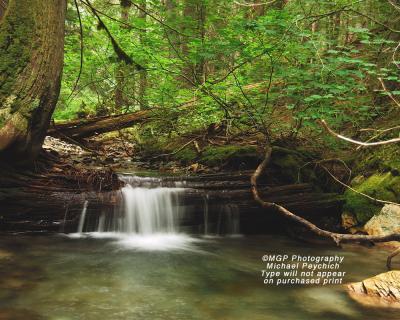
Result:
[[15, 52], [186, 155], [152, 148], [288, 163], [383, 158], [383, 186], [230, 155]]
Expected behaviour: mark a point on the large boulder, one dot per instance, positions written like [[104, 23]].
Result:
[[387, 221], [382, 290]]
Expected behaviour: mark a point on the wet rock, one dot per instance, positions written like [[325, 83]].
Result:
[[348, 220], [384, 223], [382, 290], [350, 224]]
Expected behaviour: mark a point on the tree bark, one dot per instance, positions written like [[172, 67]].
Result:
[[119, 96], [143, 73], [3, 7], [83, 129], [194, 13], [31, 61]]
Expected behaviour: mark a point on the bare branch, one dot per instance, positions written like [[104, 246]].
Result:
[[360, 143], [397, 7], [336, 237], [254, 4], [390, 257]]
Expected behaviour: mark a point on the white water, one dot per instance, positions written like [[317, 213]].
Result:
[[83, 216], [145, 219], [149, 211], [147, 216]]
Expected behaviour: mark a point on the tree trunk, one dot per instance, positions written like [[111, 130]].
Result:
[[3, 7], [31, 61], [143, 73], [82, 129], [119, 95]]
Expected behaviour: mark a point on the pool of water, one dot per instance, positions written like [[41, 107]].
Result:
[[59, 277]]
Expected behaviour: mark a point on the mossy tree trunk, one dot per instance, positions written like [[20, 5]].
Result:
[[31, 60]]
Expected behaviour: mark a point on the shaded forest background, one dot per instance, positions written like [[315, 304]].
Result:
[[274, 66]]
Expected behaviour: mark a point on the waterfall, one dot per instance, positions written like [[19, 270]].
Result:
[[232, 220], [146, 216], [150, 210], [83, 217], [141, 211], [205, 212], [225, 223]]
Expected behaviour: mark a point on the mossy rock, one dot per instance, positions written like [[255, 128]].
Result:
[[186, 155], [231, 156], [383, 158], [383, 186], [290, 164]]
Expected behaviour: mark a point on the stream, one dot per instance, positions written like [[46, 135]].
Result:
[[139, 262]]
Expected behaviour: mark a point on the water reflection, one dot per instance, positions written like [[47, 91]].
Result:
[[61, 278]]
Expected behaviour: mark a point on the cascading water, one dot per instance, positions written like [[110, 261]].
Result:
[[146, 216], [83, 216], [148, 213]]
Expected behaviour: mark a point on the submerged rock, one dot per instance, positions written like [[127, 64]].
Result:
[[382, 290]]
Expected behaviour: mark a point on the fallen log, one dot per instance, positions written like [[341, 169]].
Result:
[[79, 129]]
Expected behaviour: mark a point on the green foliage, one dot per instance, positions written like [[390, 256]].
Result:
[[277, 69]]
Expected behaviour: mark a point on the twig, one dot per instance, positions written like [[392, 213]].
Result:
[[177, 150], [324, 161], [159, 20], [358, 192], [388, 92]]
